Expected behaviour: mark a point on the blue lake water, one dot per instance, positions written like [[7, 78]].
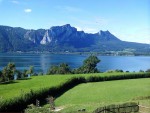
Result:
[[42, 62]]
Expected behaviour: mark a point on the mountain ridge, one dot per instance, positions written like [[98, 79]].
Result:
[[62, 38]]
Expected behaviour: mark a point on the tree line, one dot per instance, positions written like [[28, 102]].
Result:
[[89, 66], [10, 72]]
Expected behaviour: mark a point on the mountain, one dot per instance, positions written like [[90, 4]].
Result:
[[62, 38]]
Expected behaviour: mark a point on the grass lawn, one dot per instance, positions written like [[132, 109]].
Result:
[[93, 95], [36, 83], [90, 98]]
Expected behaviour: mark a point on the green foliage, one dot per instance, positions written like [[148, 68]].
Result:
[[89, 65], [8, 72], [31, 70], [53, 70], [38, 110], [64, 69], [113, 71], [24, 73], [1, 75], [4, 76], [50, 87], [61, 69], [19, 74]]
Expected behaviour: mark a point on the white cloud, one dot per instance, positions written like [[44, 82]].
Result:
[[28, 10], [15, 2], [86, 29], [79, 29], [91, 24], [90, 30]]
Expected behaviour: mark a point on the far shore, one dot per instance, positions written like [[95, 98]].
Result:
[[107, 53]]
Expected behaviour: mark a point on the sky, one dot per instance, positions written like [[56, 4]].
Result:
[[129, 20]]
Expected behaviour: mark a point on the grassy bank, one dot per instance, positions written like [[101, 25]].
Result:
[[93, 95]]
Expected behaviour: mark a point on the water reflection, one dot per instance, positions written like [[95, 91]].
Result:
[[43, 62]]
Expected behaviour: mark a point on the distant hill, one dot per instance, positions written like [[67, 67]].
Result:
[[61, 39]]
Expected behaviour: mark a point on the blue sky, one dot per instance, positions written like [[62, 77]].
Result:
[[129, 20]]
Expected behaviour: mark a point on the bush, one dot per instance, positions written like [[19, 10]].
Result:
[[33, 109]]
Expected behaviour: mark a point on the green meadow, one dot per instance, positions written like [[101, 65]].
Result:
[[38, 82], [90, 96], [15, 89]]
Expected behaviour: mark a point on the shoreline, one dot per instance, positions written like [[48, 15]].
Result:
[[109, 53]]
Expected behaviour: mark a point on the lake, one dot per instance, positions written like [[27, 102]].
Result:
[[42, 62]]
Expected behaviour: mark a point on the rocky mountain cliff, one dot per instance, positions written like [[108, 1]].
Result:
[[60, 39]]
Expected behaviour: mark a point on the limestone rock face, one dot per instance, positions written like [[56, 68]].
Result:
[[62, 38]]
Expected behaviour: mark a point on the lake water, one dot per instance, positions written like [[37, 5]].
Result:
[[42, 62]]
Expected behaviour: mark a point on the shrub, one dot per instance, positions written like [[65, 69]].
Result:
[[38, 110]]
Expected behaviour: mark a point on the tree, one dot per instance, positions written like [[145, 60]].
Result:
[[2, 77], [53, 70], [8, 72], [19, 74], [4, 74], [64, 69], [11, 70], [61, 69], [24, 73], [30, 71], [89, 65]]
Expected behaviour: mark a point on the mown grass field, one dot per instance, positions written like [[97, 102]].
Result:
[[15, 89], [11, 90], [93, 95], [24, 92]]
